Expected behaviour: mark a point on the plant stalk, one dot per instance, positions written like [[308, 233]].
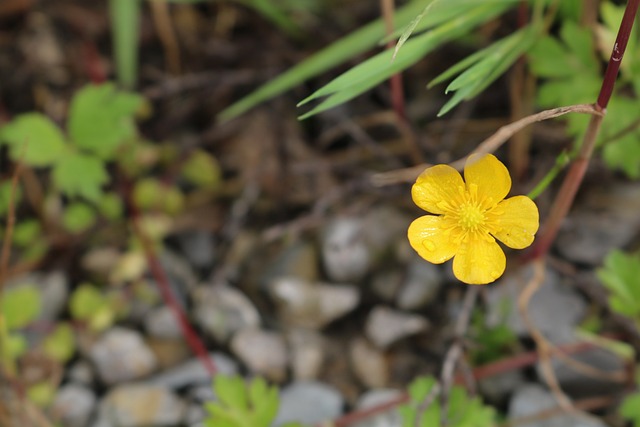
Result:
[[576, 173]]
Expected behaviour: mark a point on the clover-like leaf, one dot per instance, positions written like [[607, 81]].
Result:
[[81, 175], [102, 118], [620, 276], [20, 306], [34, 139]]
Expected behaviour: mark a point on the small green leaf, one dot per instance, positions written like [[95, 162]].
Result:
[[101, 118], [26, 232], [110, 206], [78, 217], [620, 277], [80, 175], [20, 306], [630, 408], [5, 196], [41, 393], [34, 139], [85, 301], [16, 345], [202, 169], [232, 392], [60, 344]]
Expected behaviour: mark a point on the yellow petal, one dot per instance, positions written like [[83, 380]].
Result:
[[428, 238], [519, 222], [436, 187], [479, 261], [487, 175]]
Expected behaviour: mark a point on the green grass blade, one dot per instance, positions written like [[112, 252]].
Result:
[[338, 52], [125, 18], [375, 70]]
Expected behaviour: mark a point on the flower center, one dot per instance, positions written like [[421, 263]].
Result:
[[470, 216]]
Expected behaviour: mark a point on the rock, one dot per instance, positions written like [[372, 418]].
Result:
[[161, 322], [372, 398], [81, 373], [73, 405], [312, 305], [580, 384], [297, 260], [604, 220], [197, 246], [308, 402], [141, 405], [531, 399], [195, 415], [556, 309], [101, 261], [307, 353], [345, 254], [385, 326], [368, 363], [386, 284], [193, 372], [497, 387], [421, 286], [383, 226], [222, 310], [263, 352], [169, 352], [122, 355]]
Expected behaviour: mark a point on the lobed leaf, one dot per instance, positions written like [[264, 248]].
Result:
[[34, 139]]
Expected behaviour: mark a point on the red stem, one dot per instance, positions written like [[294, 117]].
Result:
[[162, 280], [574, 177]]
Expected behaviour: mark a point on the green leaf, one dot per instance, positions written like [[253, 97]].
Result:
[[34, 139], [620, 276], [630, 408], [110, 206], [80, 175], [26, 232], [5, 196], [78, 217], [240, 404], [380, 67], [60, 344], [344, 49], [20, 306], [202, 169], [231, 392], [17, 345], [41, 393], [101, 118], [85, 301], [125, 21]]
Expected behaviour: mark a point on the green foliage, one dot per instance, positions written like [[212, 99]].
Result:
[[5, 196], [20, 306], [572, 74], [80, 175], [90, 305], [203, 170], [240, 404], [463, 410], [490, 343], [60, 344], [620, 276], [343, 50], [78, 217], [101, 118], [630, 408], [34, 139], [485, 66], [125, 21], [380, 67]]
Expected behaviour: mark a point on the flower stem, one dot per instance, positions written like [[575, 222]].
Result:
[[576, 173]]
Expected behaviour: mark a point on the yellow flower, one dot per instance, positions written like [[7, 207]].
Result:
[[469, 216]]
